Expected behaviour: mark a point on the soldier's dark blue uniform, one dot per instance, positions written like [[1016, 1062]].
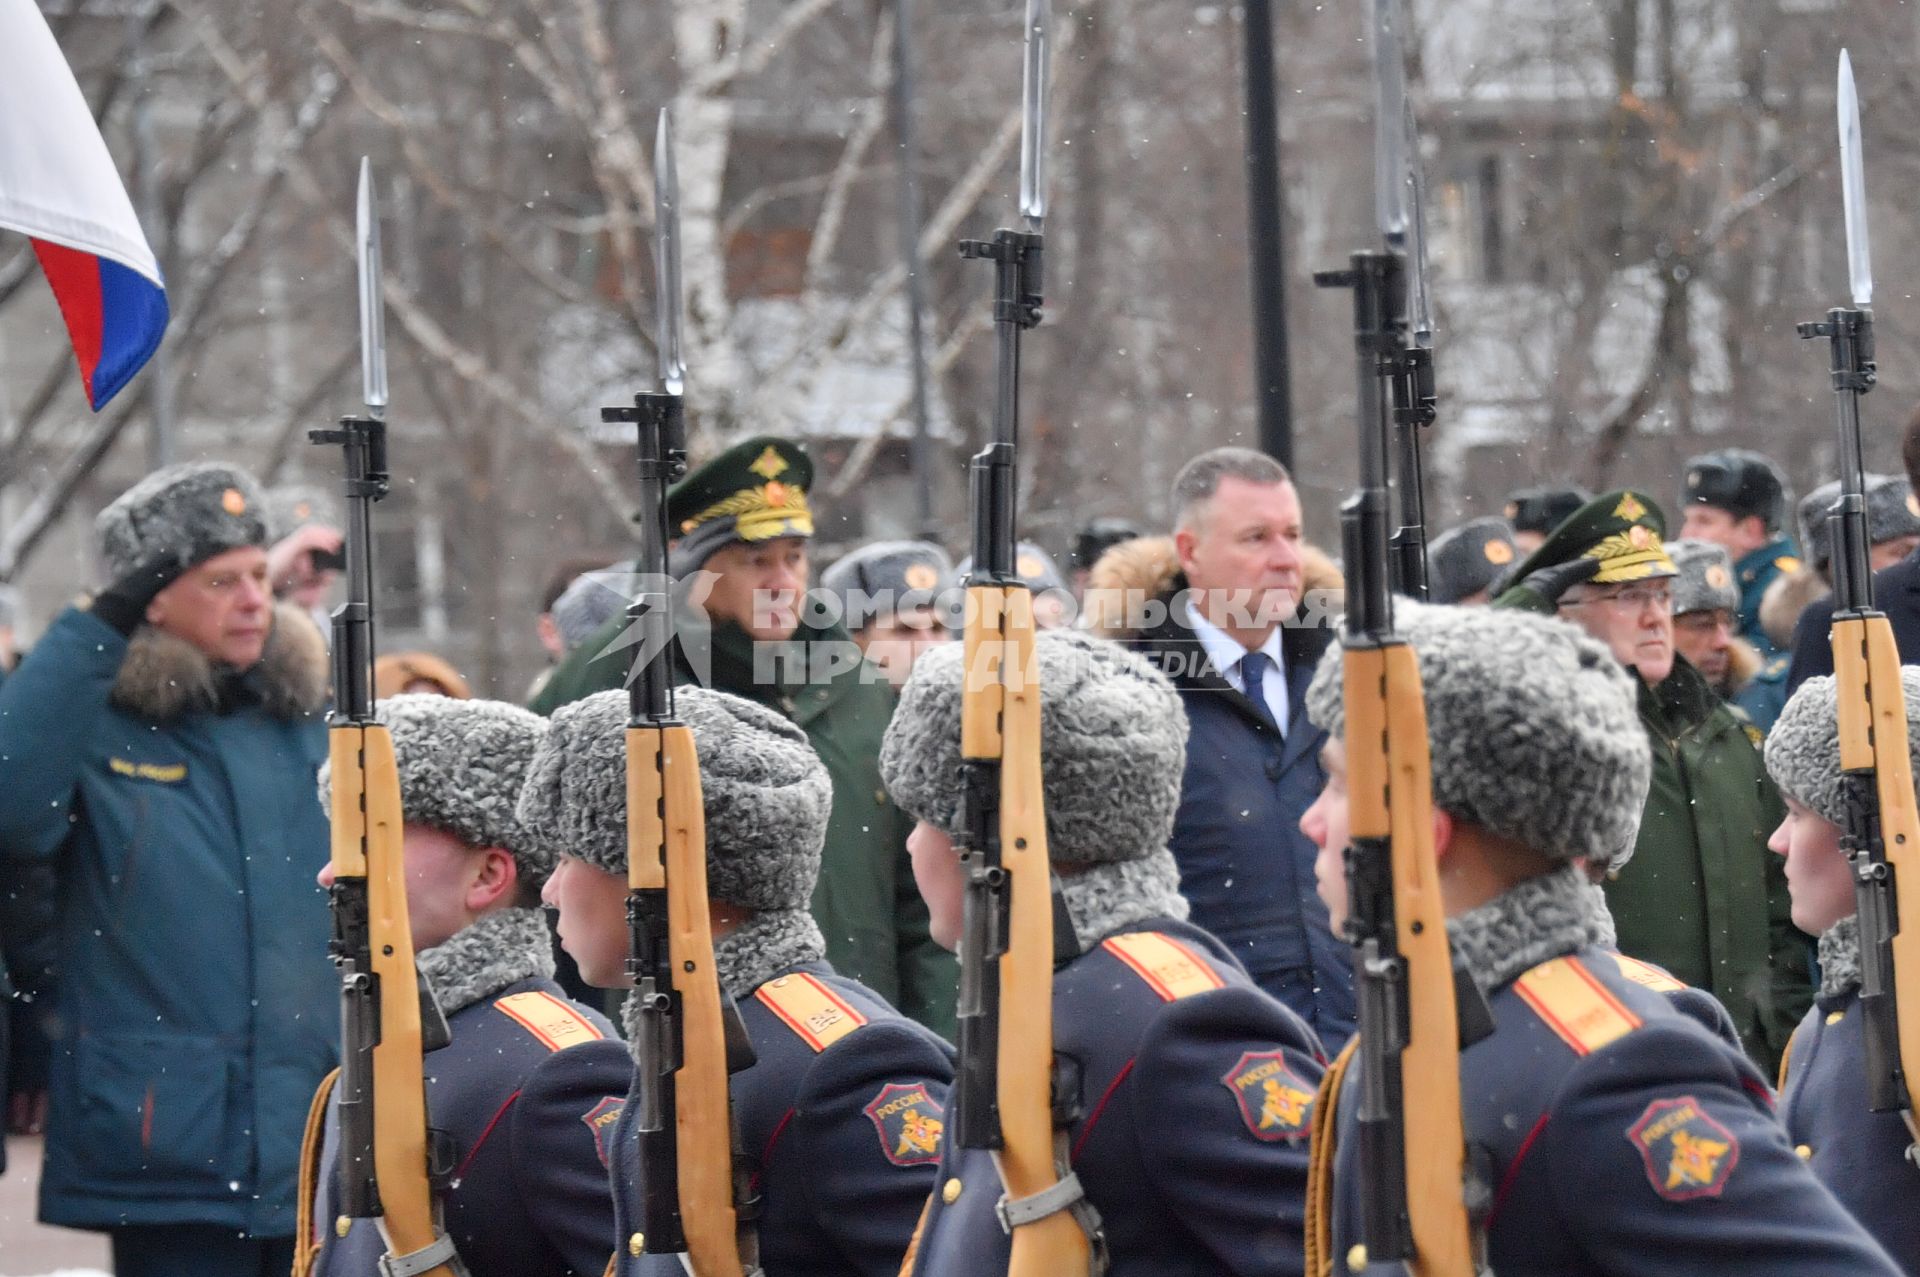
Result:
[[1196, 1096], [841, 1115], [1860, 1155], [1612, 1133], [530, 1090]]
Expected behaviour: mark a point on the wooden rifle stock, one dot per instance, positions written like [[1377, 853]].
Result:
[[1390, 796], [367, 825], [667, 844], [1873, 738], [1000, 722]]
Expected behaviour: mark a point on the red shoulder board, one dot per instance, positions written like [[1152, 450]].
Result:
[[1170, 968]]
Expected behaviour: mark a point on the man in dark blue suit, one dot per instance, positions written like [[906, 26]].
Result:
[[1236, 610]]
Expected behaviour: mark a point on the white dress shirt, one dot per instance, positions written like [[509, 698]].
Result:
[[1226, 653]]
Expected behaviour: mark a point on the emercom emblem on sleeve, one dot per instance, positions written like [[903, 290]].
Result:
[[1274, 1102], [910, 1123], [1687, 1153]]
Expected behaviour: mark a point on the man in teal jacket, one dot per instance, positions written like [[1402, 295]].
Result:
[[160, 746]]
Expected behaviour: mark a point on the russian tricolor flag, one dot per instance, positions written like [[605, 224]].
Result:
[[58, 185]]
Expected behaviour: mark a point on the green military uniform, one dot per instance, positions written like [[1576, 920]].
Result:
[[865, 902], [1702, 896]]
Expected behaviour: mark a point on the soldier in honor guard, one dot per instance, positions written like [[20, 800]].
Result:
[[1737, 498], [1607, 1130], [531, 1084], [1194, 1089], [841, 1116], [1861, 1155], [1466, 562]]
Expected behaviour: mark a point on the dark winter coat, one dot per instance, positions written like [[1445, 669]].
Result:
[[841, 1117], [1702, 896], [1245, 866], [528, 1091], [865, 902], [1756, 570], [1195, 1103], [1609, 1132], [196, 1005]]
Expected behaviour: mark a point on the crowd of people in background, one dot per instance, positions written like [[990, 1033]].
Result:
[[172, 1010]]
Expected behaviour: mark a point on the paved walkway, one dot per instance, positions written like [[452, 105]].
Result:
[[28, 1249]]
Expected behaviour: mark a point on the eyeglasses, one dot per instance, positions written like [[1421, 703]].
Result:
[[1632, 599]]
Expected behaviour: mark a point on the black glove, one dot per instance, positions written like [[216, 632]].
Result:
[[1549, 583], [123, 604]]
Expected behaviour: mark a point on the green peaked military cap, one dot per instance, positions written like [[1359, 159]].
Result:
[[754, 491], [1625, 530]]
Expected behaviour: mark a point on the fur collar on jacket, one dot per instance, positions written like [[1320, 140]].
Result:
[[165, 678], [1148, 568], [496, 950], [1542, 918], [1840, 958]]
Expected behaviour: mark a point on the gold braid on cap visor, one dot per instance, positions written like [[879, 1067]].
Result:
[[1632, 555], [772, 510]]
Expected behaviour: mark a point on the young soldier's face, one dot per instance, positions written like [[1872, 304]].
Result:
[[1326, 824], [223, 606], [1818, 876], [592, 905], [449, 884], [1741, 535], [942, 882]]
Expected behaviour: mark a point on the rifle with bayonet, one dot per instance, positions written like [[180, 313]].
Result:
[[1016, 930], [689, 1036], [1882, 833], [1404, 364], [391, 1164], [1412, 1134]]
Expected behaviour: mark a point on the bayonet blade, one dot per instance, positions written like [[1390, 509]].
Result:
[[1853, 186], [1419, 298], [1033, 114], [373, 324], [1389, 139], [667, 299]]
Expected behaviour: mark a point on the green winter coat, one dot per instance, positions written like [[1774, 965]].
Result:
[[865, 902], [1702, 896]]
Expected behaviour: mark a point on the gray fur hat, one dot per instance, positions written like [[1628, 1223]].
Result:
[[1703, 577], [1534, 731], [1892, 511], [1032, 564], [292, 506], [589, 602], [462, 765], [886, 578], [192, 512], [1803, 746], [1113, 739], [765, 791], [1469, 558]]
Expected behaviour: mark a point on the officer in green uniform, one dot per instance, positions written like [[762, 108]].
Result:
[[1702, 896], [1738, 498], [741, 524]]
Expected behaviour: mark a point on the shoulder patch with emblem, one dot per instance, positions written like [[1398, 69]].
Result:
[[549, 1019], [820, 1016], [1576, 1006], [601, 1120], [910, 1123], [1275, 1102], [1170, 968], [1686, 1152]]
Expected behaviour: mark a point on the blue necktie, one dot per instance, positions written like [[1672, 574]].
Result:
[[1253, 671]]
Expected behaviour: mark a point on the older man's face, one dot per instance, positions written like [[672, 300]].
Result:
[[758, 587], [1243, 548], [223, 606], [1705, 638], [1634, 619]]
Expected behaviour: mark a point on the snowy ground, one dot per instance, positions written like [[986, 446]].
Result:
[[28, 1249]]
